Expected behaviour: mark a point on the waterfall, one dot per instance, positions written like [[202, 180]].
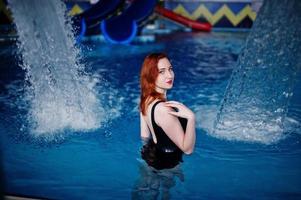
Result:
[[60, 93], [255, 103]]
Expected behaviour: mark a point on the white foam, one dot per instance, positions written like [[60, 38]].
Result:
[[52, 113], [59, 94], [240, 130]]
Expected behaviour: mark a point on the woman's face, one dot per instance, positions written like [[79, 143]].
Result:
[[166, 75]]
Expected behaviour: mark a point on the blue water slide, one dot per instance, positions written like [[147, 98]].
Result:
[[100, 10], [123, 28], [87, 23]]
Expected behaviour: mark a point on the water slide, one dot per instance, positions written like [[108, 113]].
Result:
[[194, 25], [124, 27], [101, 9], [88, 22]]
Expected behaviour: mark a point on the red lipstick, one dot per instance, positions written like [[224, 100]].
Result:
[[169, 82]]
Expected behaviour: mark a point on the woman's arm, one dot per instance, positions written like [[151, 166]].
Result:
[[144, 131], [168, 120]]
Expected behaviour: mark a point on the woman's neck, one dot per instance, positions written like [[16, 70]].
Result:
[[161, 91]]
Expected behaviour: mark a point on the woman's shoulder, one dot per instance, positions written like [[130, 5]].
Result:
[[162, 114], [162, 109], [159, 108]]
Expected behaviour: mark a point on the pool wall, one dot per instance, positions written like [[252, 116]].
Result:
[[219, 13], [223, 15]]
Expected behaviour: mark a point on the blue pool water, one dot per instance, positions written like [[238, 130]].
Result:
[[105, 163]]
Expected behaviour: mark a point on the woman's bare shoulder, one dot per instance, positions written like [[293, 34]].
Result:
[[162, 110], [162, 114]]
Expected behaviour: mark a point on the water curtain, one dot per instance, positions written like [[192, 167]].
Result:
[[256, 99], [59, 92]]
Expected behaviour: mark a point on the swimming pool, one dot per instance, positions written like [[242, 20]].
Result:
[[105, 163]]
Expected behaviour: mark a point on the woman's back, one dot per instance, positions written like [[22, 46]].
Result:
[[162, 152]]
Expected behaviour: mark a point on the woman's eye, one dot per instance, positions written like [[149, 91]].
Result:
[[161, 72]]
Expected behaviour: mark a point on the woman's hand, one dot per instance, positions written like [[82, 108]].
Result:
[[182, 110]]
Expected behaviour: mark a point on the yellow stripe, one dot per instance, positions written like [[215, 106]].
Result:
[[214, 18], [75, 10]]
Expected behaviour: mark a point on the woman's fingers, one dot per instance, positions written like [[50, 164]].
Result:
[[168, 102], [179, 109], [171, 105], [174, 113], [173, 102]]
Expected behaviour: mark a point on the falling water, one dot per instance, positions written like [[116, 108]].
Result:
[[59, 92], [255, 104]]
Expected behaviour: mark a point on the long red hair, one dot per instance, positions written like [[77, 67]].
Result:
[[148, 76]]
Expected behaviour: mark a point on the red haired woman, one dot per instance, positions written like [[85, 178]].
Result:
[[169, 126]]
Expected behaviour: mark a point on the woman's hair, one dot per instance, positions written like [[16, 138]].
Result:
[[148, 76]]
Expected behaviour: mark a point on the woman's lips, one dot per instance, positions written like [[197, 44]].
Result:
[[169, 82]]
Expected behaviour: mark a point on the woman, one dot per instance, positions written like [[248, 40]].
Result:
[[169, 126]]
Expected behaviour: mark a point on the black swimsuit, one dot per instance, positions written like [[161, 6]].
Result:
[[165, 154]]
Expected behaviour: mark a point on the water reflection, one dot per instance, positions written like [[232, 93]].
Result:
[[156, 184]]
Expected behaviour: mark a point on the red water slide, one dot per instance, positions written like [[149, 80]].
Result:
[[195, 25]]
